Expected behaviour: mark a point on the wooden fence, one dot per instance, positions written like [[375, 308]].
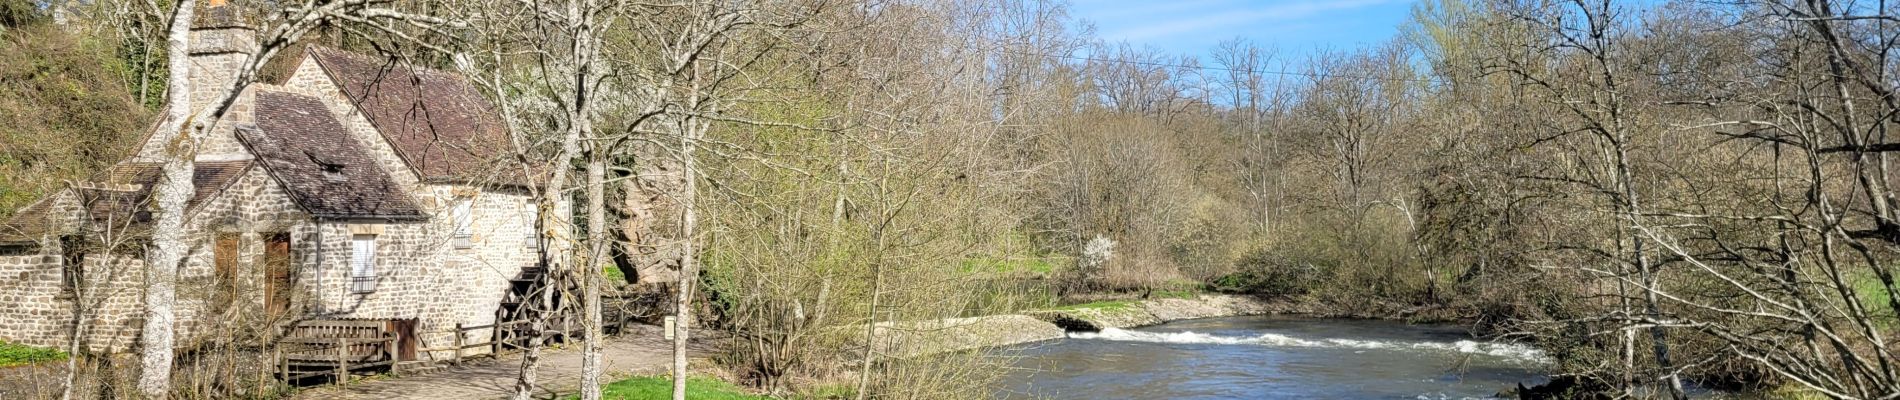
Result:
[[335, 348], [340, 348]]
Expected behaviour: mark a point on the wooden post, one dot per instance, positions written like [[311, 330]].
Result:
[[458, 344], [283, 364], [342, 361]]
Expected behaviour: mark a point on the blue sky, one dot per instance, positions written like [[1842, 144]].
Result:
[[1296, 27]]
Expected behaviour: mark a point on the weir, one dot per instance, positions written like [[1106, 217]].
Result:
[[1274, 357]]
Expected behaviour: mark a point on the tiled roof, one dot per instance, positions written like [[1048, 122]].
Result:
[[436, 120], [304, 147], [119, 196], [29, 223], [207, 178]]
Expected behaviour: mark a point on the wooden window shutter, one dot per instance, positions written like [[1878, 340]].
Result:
[[225, 259]]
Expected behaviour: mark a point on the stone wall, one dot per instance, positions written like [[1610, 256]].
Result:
[[217, 53], [33, 315], [253, 208], [113, 303], [40, 309], [421, 273], [498, 248], [221, 144], [409, 284]]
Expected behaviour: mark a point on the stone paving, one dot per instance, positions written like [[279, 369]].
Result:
[[638, 352]]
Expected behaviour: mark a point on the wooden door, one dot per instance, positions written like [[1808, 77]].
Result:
[[277, 286], [405, 330], [224, 257]]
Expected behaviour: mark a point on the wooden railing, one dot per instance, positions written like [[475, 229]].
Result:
[[341, 356], [460, 342], [500, 342], [338, 348], [335, 348]]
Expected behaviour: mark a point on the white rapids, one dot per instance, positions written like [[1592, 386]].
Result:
[[1513, 351]]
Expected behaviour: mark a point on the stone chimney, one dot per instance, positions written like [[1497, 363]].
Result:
[[221, 38]]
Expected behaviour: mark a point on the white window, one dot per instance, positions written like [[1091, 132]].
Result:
[[463, 213], [362, 263], [531, 215]]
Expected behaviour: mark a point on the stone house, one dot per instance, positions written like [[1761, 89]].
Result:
[[359, 187]]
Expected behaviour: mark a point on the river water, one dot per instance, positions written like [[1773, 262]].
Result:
[[1272, 358]]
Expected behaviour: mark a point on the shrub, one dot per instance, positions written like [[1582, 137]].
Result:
[[1265, 273]]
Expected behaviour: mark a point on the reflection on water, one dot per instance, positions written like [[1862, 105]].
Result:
[[1273, 358]]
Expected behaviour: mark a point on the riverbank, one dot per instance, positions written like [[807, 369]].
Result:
[[922, 338]]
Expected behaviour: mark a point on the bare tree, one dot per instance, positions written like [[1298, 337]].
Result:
[[174, 189], [585, 22]]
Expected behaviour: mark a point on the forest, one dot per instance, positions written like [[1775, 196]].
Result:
[[1657, 194]]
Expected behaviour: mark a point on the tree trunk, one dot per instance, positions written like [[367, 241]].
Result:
[[559, 204], [590, 278], [870, 329], [580, 120], [1658, 337], [79, 329], [173, 190], [689, 262]]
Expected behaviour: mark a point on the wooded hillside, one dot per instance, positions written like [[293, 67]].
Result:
[[1653, 193], [69, 104]]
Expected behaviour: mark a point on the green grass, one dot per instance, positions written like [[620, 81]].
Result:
[[661, 387], [14, 354], [1871, 291], [1874, 296], [613, 274]]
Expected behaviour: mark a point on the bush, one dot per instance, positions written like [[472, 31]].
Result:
[[1266, 273]]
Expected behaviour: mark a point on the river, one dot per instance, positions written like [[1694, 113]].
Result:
[[1272, 358]]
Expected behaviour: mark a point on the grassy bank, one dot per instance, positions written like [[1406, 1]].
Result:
[[16, 354], [661, 387]]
